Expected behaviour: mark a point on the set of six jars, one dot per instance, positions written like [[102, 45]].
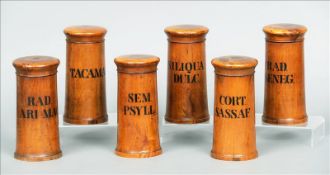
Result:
[[234, 135]]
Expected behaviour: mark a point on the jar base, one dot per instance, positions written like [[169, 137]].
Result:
[[138, 155], [186, 120], [288, 121], [233, 157], [37, 157], [90, 121]]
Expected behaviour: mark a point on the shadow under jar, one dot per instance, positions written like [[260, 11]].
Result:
[[186, 75], [85, 101], [284, 101], [37, 134], [138, 133], [234, 133]]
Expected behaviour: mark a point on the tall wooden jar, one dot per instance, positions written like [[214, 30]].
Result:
[[85, 101], [284, 101], [186, 77], [37, 135], [234, 134], [138, 134]]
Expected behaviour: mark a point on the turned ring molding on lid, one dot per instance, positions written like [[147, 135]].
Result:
[[85, 34], [137, 63], [36, 66], [284, 32], [187, 33], [234, 65]]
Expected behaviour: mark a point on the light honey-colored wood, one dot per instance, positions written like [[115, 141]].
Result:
[[85, 101], [37, 134], [284, 100], [234, 134], [186, 77], [137, 132]]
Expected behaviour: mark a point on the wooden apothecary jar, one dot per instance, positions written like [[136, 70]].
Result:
[[234, 133], [85, 101], [137, 132], [37, 134], [284, 100], [186, 77]]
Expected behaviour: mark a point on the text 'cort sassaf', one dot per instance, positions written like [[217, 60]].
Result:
[[226, 108]]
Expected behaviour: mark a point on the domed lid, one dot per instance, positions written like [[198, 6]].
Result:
[[136, 63], [186, 29], [235, 62], [186, 33], [284, 32], [36, 66], [85, 33], [234, 65], [137, 59]]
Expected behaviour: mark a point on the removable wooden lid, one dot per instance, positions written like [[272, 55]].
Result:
[[186, 33], [85, 34], [137, 63], [36, 66], [284, 32], [234, 65]]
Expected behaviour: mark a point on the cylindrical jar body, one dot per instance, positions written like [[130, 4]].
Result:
[[186, 77], [85, 101], [37, 134], [234, 135], [284, 100], [137, 132]]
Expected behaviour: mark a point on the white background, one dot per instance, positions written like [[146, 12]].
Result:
[[36, 28]]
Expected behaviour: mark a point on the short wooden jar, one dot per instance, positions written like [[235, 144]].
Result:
[[85, 101], [138, 134], [234, 134], [186, 77], [37, 135], [284, 101]]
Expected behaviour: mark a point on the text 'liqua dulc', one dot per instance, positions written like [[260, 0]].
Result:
[[186, 72]]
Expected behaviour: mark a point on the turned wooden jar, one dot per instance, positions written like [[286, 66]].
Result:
[[284, 100], [37, 134], [234, 133], [85, 101], [137, 106], [186, 75]]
